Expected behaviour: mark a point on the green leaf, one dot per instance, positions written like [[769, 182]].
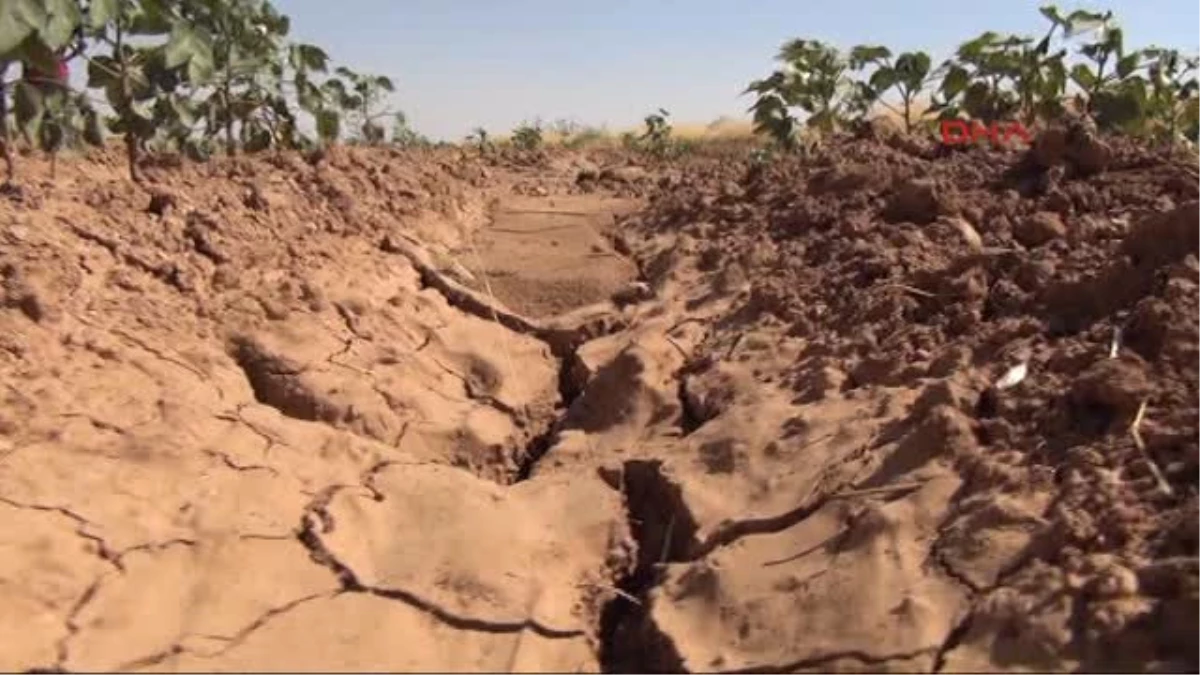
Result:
[[28, 108], [328, 125], [183, 45], [864, 54], [1114, 40], [1052, 14], [309, 95], [1082, 21], [38, 54], [309, 57], [200, 70], [1055, 78], [102, 12], [979, 102], [912, 69], [956, 81], [1083, 76], [102, 71], [883, 79], [164, 113], [18, 20], [913, 65], [63, 17], [140, 86], [1127, 64], [134, 123], [1119, 109], [152, 18], [973, 49]]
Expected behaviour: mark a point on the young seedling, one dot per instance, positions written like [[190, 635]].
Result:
[[1172, 96], [480, 138], [404, 136], [528, 136], [814, 78], [770, 112], [362, 100], [995, 78], [657, 137], [907, 73]]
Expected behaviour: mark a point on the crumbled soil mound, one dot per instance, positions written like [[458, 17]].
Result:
[[861, 497], [555, 412]]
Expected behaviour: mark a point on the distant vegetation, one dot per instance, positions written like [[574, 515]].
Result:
[[193, 77], [1080, 63]]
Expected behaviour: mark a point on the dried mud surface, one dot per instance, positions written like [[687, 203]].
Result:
[[398, 411]]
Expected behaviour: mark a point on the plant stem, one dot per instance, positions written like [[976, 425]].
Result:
[[230, 146], [131, 147], [5, 142]]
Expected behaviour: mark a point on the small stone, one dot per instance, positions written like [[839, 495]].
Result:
[[914, 200], [968, 232], [1116, 582], [1039, 228]]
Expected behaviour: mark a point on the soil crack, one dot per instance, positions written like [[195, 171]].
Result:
[[243, 634], [103, 551], [317, 520], [71, 623], [953, 639], [816, 662], [228, 461], [664, 532], [480, 397]]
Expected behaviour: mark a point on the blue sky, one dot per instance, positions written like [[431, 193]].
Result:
[[459, 64]]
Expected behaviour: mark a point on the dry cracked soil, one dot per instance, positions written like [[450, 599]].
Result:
[[408, 411]]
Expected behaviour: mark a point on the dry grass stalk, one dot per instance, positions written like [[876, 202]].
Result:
[[1135, 431]]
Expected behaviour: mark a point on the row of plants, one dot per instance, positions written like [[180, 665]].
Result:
[[1080, 65], [656, 139], [185, 76]]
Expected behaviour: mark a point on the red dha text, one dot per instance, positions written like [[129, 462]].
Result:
[[962, 132]]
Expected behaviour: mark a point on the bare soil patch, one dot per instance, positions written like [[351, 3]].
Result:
[[578, 415]]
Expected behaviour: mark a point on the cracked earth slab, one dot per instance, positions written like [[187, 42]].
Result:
[[533, 553], [207, 435], [168, 597], [39, 597], [776, 599], [361, 632]]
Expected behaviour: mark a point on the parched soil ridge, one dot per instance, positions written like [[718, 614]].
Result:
[[717, 417]]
